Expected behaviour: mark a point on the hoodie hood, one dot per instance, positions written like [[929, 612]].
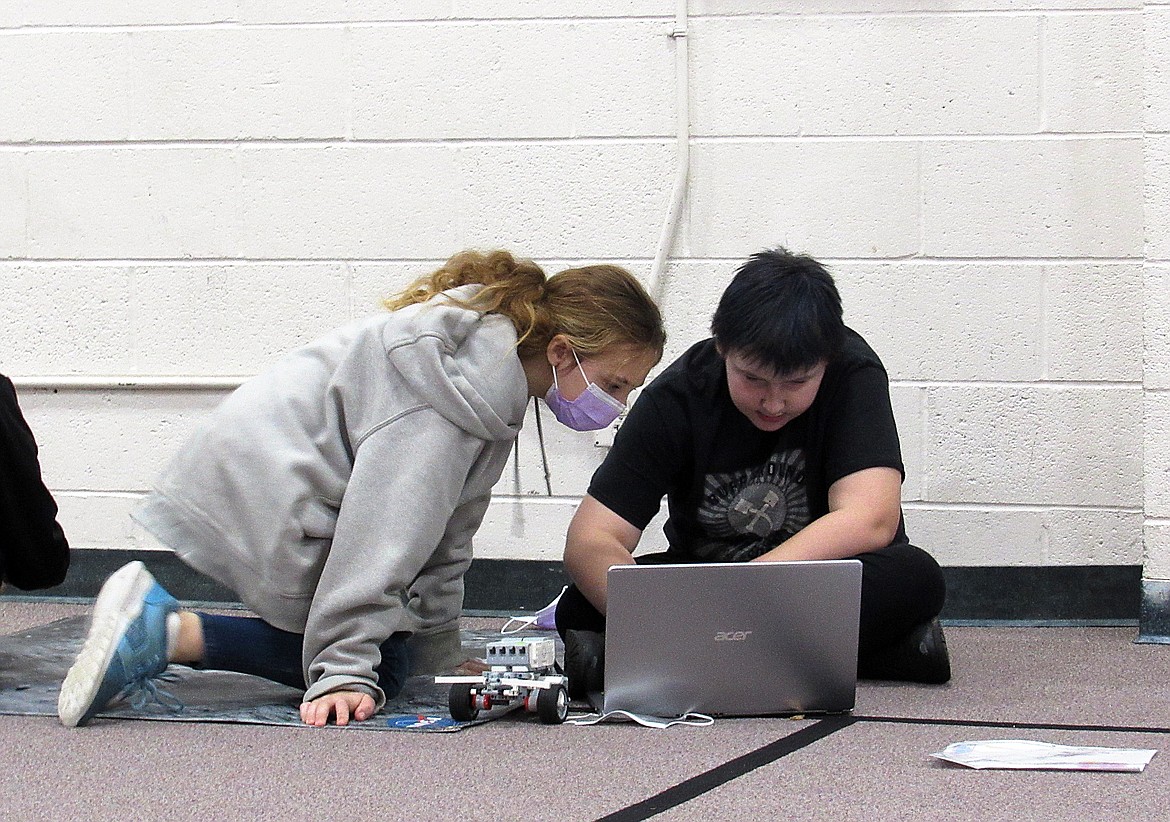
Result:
[[462, 363]]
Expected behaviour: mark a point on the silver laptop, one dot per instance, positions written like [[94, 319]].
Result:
[[732, 639]]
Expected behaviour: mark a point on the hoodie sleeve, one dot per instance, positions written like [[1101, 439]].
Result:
[[435, 599], [407, 481]]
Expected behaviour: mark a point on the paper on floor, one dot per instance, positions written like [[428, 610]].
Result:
[[1023, 754]]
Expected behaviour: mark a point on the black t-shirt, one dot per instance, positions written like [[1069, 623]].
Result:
[[735, 492]]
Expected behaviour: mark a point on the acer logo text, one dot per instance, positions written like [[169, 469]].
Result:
[[732, 636]]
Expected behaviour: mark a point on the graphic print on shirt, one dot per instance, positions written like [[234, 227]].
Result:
[[746, 513]]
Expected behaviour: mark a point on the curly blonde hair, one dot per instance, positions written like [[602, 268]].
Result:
[[596, 307]]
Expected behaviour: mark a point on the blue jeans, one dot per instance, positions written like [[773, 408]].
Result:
[[249, 645]]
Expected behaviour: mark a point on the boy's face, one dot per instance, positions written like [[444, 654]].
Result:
[[768, 399]]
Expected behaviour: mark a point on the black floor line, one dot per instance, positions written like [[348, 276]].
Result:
[[1039, 726], [722, 774], [708, 780]]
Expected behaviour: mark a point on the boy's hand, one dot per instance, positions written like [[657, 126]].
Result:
[[343, 704]]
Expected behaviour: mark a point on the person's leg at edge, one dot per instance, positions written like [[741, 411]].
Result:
[[902, 593]]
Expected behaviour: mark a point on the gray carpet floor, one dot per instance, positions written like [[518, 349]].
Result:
[[1084, 686]]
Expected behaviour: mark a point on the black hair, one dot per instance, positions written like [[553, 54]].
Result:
[[781, 310]]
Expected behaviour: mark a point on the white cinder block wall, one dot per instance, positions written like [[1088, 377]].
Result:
[[187, 190]]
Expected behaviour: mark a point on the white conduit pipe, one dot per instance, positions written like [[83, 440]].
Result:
[[683, 127], [128, 383]]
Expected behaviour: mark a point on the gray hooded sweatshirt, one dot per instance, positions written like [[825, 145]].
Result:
[[337, 492]]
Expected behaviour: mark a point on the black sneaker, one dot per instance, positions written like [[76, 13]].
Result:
[[919, 657], [584, 662]]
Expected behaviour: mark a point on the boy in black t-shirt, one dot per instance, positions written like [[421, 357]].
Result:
[[773, 440]]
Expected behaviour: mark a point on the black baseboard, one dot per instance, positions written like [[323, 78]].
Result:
[[495, 585], [89, 568], [1097, 593], [1083, 593]]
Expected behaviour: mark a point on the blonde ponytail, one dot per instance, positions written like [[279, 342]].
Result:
[[595, 307]]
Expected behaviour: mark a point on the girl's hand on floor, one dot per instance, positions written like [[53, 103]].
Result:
[[343, 704]]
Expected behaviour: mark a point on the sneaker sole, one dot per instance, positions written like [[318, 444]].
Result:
[[118, 604]]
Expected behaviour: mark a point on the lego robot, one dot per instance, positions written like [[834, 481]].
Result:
[[521, 672]]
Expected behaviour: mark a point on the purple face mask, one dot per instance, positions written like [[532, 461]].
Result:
[[591, 411]]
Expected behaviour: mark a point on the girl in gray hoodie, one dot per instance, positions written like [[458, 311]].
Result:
[[337, 492]]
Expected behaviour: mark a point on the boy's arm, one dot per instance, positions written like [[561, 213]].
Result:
[[646, 456], [597, 539], [865, 508]]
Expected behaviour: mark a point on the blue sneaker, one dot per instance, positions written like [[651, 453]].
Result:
[[125, 651]]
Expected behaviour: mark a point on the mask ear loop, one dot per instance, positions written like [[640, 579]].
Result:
[[581, 368], [588, 382]]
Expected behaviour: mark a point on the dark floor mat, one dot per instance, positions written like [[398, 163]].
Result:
[[33, 663]]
